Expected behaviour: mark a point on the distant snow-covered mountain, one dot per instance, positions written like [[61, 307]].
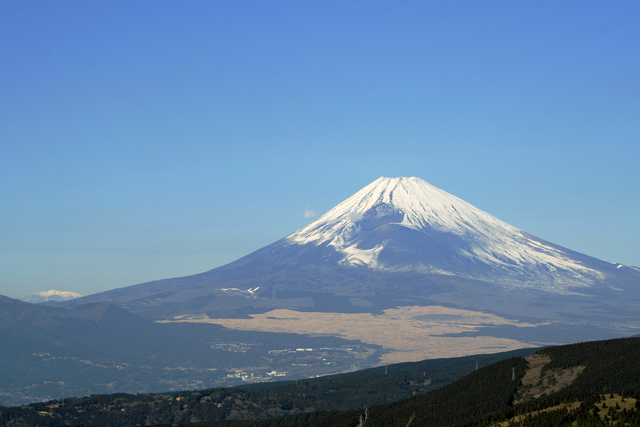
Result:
[[408, 224], [50, 295], [403, 242]]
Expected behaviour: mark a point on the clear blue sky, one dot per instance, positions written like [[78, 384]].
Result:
[[152, 139]]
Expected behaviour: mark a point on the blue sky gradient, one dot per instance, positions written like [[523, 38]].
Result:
[[154, 139]]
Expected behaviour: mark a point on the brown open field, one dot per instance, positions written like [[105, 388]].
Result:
[[411, 333]]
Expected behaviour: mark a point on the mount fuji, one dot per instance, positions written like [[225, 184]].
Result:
[[406, 224], [402, 248]]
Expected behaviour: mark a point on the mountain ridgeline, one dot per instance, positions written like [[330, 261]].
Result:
[[402, 242]]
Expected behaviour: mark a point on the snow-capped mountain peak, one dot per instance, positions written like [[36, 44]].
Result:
[[408, 224], [410, 202], [50, 295]]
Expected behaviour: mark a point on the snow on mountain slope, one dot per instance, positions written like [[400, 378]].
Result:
[[408, 224], [50, 295]]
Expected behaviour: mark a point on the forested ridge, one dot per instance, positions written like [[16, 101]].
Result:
[[606, 392], [486, 397]]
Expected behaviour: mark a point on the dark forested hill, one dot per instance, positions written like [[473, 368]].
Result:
[[487, 397], [595, 383]]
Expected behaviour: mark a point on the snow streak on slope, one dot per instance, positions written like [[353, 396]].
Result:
[[492, 248]]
